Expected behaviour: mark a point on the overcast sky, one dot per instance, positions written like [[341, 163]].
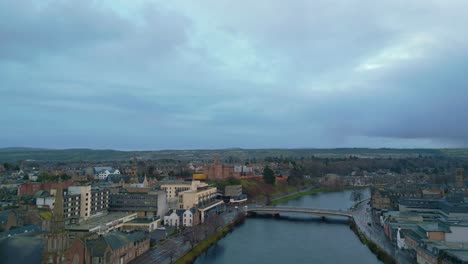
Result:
[[217, 74]]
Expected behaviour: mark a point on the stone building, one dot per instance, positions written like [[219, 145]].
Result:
[[56, 241], [113, 247]]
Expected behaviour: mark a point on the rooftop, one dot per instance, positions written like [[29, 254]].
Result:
[[98, 221]]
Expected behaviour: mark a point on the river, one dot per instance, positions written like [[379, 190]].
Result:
[[293, 238]]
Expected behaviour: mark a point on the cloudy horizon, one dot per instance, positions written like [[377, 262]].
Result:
[[149, 75]]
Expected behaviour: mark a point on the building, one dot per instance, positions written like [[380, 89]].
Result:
[[146, 205], [197, 196], [219, 171], [380, 200], [452, 208], [460, 177], [79, 202], [102, 172], [191, 217], [113, 247], [142, 224], [233, 190], [173, 218], [29, 188], [173, 188], [57, 240], [92, 200], [102, 224]]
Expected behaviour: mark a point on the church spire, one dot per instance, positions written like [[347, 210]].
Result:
[[145, 182]]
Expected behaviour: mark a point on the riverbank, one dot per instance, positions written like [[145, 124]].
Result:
[[205, 244], [308, 191], [378, 251]]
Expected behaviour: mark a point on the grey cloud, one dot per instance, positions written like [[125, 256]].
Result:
[[236, 74]]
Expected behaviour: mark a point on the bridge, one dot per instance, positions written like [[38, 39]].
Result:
[[273, 210]]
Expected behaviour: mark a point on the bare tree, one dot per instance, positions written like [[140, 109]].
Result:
[[356, 196], [193, 235], [218, 222]]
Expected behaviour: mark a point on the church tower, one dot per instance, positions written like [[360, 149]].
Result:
[[57, 239]]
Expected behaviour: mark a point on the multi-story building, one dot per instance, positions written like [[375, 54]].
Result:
[[197, 197], [147, 205], [92, 199], [173, 188], [219, 171], [79, 202], [460, 177]]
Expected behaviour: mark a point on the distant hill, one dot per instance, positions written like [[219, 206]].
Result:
[[16, 154]]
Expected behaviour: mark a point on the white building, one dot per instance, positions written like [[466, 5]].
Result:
[[45, 202], [104, 173], [187, 218], [173, 219]]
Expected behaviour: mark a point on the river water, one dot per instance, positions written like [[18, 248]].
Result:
[[293, 238]]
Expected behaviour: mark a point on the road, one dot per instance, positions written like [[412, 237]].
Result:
[[374, 232], [160, 255]]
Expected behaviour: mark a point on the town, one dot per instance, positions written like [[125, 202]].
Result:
[[159, 211]]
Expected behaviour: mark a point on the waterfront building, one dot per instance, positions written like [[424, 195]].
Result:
[[191, 217], [146, 205], [113, 247], [196, 197]]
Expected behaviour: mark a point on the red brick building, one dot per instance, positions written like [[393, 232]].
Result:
[[219, 171], [30, 188]]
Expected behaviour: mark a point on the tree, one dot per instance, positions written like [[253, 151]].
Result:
[[296, 177], [356, 196], [269, 175], [193, 235]]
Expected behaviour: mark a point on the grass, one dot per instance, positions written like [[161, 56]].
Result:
[[310, 192], [296, 195]]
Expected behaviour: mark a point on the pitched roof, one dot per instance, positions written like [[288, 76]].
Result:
[[21, 250], [114, 240]]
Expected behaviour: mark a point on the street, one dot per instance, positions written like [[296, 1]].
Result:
[[374, 232], [159, 254]]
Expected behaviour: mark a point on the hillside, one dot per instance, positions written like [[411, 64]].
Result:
[[16, 154]]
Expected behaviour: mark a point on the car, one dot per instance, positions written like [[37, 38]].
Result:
[[161, 228], [369, 223]]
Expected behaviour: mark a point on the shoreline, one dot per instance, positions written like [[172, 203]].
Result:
[[381, 254], [191, 255], [309, 191]]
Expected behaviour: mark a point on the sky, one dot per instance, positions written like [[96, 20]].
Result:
[[182, 74]]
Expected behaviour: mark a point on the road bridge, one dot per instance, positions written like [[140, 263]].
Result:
[[276, 210]]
